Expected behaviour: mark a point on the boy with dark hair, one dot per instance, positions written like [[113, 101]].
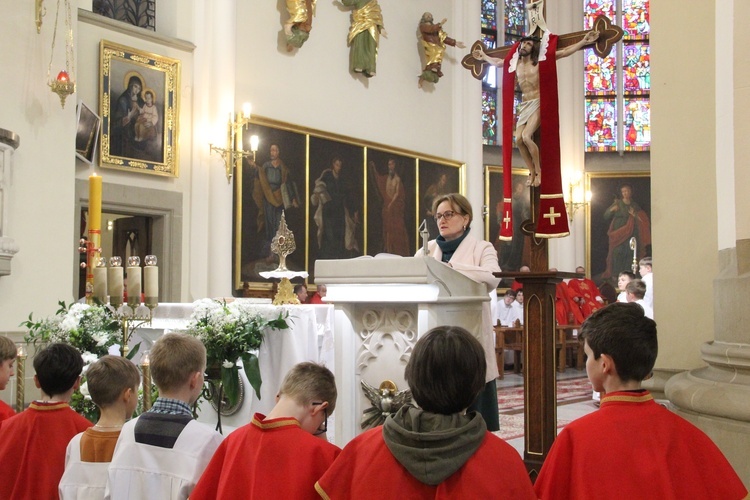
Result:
[[623, 279], [8, 352], [113, 385], [32, 443], [278, 456], [436, 450], [162, 453], [631, 447]]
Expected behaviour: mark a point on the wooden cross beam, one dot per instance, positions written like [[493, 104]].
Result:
[[609, 35]]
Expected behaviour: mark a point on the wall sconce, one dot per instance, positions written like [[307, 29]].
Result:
[[576, 196], [233, 153]]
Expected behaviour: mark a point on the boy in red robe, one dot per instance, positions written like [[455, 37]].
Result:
[[631, 447], [436, 450], [32, 443], [283, 454], [8, 353]]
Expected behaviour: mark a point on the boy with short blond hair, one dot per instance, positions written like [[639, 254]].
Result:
[[32, 443], [8, 352], [162, 453], [113, 385], [278, 456], [631, 447]]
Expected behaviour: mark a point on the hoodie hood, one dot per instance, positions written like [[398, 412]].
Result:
[[432, 446]]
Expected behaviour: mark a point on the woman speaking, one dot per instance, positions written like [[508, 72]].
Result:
[[476, 259]]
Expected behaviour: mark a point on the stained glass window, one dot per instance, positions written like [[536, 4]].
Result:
[[601, 128], [617, 87], [489, 117], [489, 15], [490, 41], [514, 20]]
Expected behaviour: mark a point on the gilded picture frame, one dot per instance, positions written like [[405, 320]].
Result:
[[609, 229], [139, 105], [350, 227]]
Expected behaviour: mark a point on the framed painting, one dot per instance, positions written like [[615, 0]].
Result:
[[618, 223], [515, 253], [87, 133], [336, 201], [282, 159], [391, 207], [139, 105], [341, 197]]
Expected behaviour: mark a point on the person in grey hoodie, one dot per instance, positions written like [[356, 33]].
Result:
[[434, 449]]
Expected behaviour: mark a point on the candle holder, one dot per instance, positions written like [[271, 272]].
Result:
[[20, 378], [133, 314]]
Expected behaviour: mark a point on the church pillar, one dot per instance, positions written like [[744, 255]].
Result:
[[716, 398], [212, 201]]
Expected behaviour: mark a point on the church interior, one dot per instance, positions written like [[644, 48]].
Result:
[[232, 52]]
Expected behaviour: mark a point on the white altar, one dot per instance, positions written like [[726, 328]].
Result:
[[382, 305], [308, 338]]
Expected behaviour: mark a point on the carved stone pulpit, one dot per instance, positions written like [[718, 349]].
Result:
[[382, 306]]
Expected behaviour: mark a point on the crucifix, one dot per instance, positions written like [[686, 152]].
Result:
[[530, 64]]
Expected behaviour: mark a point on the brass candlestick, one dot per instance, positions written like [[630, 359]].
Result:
[[20, 378]]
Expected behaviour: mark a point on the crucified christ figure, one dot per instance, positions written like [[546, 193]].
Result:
[[527, 79]]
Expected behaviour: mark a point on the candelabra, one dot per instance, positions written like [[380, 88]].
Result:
[[20, 378], [132, 314], [234, 152]]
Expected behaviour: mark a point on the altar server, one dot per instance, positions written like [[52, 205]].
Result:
[[32, 443], [162, 453], [112, 382], [436, 450], [280, 455], [631, 447]]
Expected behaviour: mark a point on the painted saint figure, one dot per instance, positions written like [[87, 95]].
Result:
[[335, 214], [273, 191], [433, 41], [364, 35], [124, 115], [393, 196], [627, 220]]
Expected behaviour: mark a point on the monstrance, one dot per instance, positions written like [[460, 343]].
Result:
[[282, 245]]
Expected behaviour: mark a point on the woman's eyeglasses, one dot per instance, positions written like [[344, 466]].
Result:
[[448, 215]]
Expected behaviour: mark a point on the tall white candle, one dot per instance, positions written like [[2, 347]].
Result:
[[134, 286], [100, 284], [114, 284], [151, 285]]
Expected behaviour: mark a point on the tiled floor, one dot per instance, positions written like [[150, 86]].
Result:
[[564, 412]]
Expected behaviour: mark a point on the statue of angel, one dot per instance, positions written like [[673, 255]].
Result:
[[386, 400]]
